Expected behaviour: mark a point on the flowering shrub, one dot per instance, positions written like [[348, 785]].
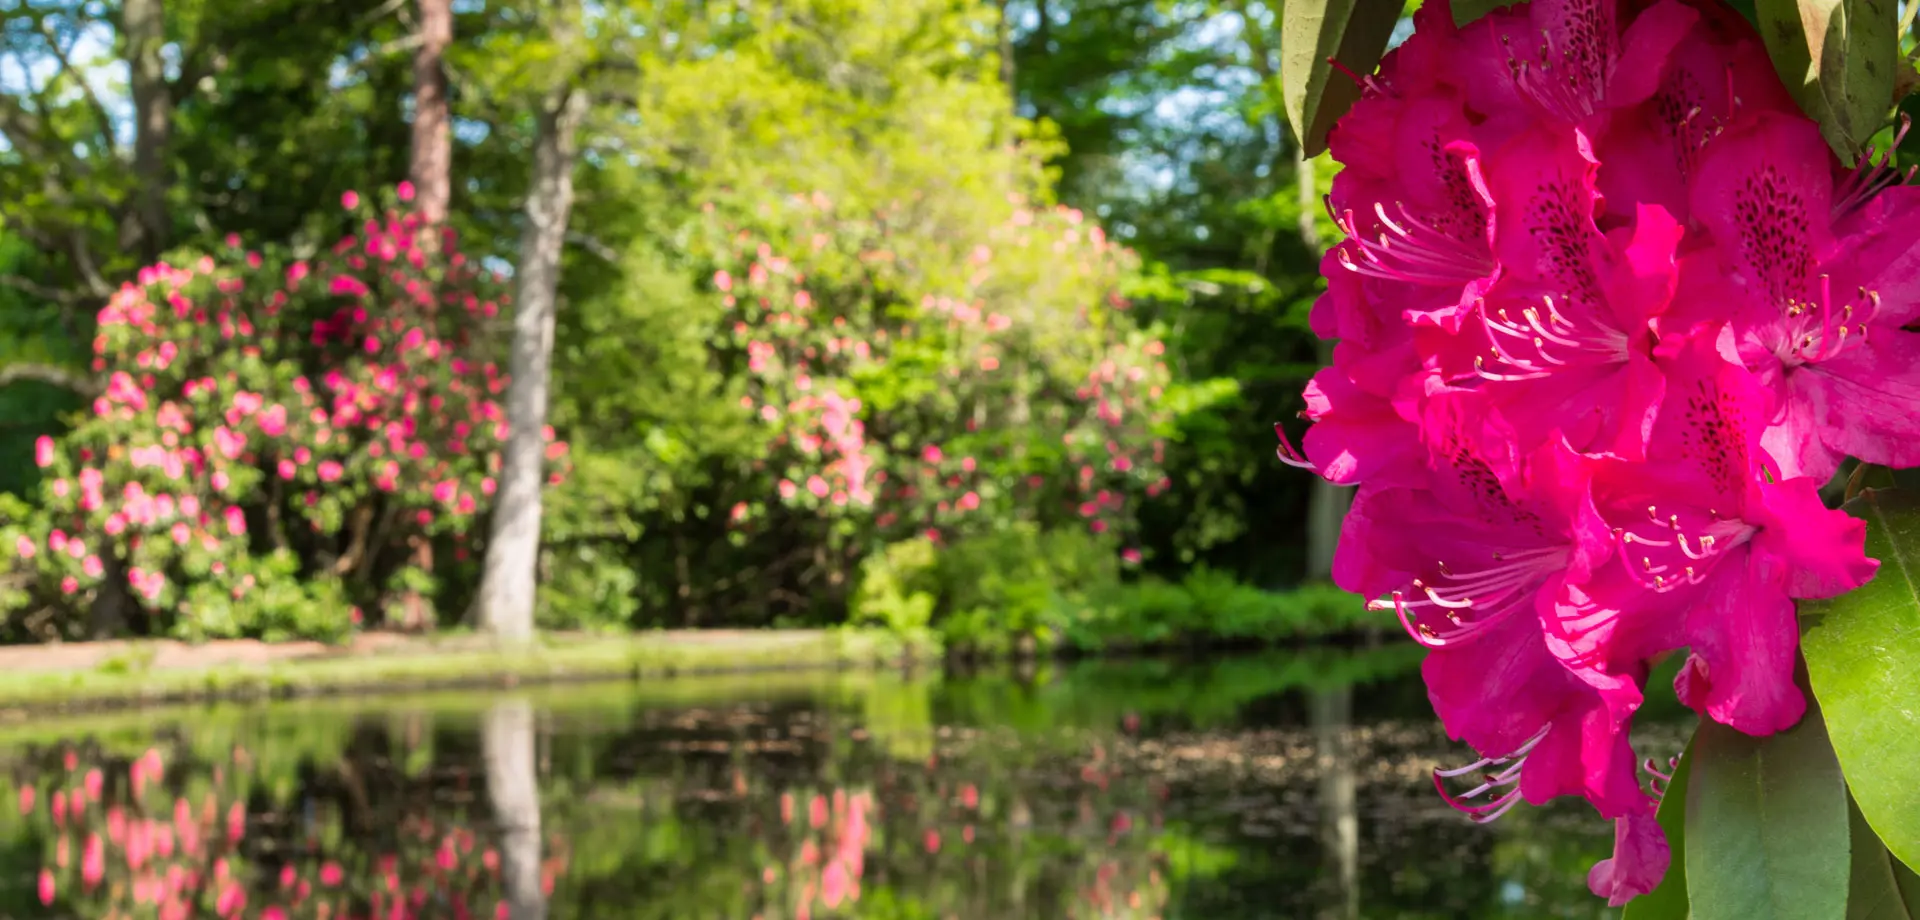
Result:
[[131, 838], [907, 402], [1609, 314], [275, 435], [823, 875]]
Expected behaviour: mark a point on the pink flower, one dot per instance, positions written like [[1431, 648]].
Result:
[[229, 442], [287, 469], [1819, 313], [1712, 554], [969, 501], [1550, 494], [931, 454], [93, 861], [92, 566], [46, 887], [69, 585], [43, 451], [236, 520], [329, 471], [348, 201], [24, 546], [787, 489], [817, 486], [330, 874], [443, 491], [405, 190], [273, 422]]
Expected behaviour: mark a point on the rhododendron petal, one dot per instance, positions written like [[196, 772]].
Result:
[[1639, 861], [1744, 636]]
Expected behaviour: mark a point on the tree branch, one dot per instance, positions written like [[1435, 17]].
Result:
[[42, 291], [47, 373], [86, 89]]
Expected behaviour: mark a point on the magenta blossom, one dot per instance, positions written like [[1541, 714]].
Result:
[[1712, 548], [1819, 283], [1604, 327]]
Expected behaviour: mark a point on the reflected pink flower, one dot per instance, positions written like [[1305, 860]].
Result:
[[833, 885], [817, 811], [93, 861]]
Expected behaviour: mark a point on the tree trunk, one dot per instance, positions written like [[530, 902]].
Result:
[[1327, 504], [513, 790], [145, 227], [432, 166], [1007, 72], [1332, 718], [507, 589]]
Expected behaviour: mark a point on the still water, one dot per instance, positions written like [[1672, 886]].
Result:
[[1286, 785]]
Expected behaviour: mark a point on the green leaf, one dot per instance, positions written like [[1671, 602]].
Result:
[[1353, 32], [1766, 825], [1880, 886], [1839, 59], [1465, 11], [1863, 652], [1669, 900]]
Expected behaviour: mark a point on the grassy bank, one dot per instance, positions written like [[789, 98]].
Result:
[[40, 679]]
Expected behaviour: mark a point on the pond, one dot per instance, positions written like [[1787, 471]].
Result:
[[1288, 784]]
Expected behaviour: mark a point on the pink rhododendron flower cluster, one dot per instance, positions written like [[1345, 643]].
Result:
[[1609, 314], [350, 394], [946, 375]]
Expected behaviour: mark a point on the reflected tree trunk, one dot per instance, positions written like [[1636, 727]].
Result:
[[1332, 716], [507, 742]]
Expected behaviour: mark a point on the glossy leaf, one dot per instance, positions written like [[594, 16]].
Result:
[[1839, 59], [1669, 900], [1880, 887], [1766, 825], [1863, 653], [1466, 11], [1313, 32]]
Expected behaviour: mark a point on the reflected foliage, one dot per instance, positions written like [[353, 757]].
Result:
[[1111, 789]]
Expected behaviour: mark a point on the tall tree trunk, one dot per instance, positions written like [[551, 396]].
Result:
[[1327, 504], [513, 790], [507, 589], [146, 226], [432, 166], [1007, 72]]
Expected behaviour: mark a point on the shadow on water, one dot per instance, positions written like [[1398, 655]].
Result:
[[1286, 785]]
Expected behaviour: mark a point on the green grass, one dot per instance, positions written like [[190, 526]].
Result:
[[129, 680]]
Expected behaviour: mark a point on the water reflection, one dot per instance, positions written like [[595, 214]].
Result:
[[513, 791], [1281, 786]]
